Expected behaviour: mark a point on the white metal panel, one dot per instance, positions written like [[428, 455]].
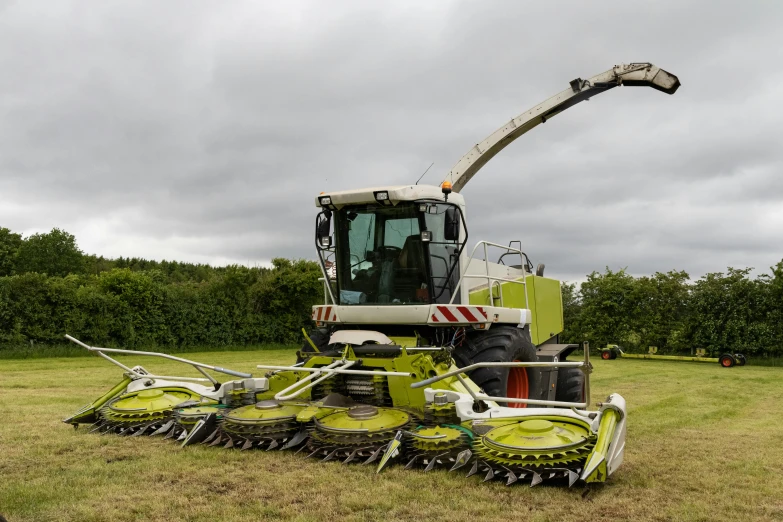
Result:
[[396, 195], [478, 267], [359, 337], [391, 314], [453, 314]]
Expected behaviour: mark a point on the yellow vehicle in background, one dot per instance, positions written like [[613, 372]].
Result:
[[726, 360]]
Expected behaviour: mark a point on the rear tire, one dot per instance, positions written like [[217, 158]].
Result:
[[741, 360], [570, 385], [726, 360], [606, 355], [502, 344]]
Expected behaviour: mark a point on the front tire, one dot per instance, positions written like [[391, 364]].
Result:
[[320, 338], [502, 344], [570, 385]]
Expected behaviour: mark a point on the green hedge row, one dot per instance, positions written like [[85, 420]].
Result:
[[133, 302], [720, 312], [126, 308]]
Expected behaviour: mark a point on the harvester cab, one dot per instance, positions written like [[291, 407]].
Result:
[[424, 353]]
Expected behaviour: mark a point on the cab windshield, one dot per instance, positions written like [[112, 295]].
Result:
[[394, 254]]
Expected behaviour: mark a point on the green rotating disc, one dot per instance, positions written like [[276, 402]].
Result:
[[535, 443], [144, 407], [536, 435], [264, 412], [443, 438], [364, 419]]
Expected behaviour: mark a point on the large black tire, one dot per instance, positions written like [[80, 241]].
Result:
[[320, 338], [741, 360], [570, 385], [501, 344]]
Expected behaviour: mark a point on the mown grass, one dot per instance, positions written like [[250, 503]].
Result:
[[704, 443]]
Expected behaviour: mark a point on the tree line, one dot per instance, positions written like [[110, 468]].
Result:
[[48, 287], [720, 312]]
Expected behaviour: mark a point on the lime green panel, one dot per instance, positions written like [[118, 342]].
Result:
[[87, 413], [548, 311], [513, 295], [595, 467], [543, 299]]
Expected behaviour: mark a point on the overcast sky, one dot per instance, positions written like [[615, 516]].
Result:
[[201, 131]]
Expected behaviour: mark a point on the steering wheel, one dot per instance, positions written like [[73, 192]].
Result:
[[387, 252]]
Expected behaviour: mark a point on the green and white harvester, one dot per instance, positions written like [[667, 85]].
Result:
[[422, 354]]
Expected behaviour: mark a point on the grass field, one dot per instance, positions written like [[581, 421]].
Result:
[[704, 443]]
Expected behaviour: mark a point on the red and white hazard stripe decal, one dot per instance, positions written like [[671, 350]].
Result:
[[324, 313], [459, 314]]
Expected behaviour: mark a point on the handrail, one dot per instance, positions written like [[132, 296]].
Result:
[[327, 291], [490, 279], [584, 365], [197, 365], [516, 364]]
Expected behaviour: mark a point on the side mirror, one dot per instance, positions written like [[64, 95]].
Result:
[[323, 229], [452, 225]]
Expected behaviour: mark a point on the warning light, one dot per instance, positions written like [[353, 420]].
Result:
[[445, 187]]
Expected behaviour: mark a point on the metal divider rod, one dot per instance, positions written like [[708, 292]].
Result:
[[162, 355], [534, 402], [208, 376], [172, 378], [323, 377], [77, 341], [308, 378], [334, 370], [113, 361], [467, 387]]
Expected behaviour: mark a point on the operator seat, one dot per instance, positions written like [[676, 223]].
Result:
[[410, 274]]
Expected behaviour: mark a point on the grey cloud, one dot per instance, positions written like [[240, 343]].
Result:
[[203, 131]]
